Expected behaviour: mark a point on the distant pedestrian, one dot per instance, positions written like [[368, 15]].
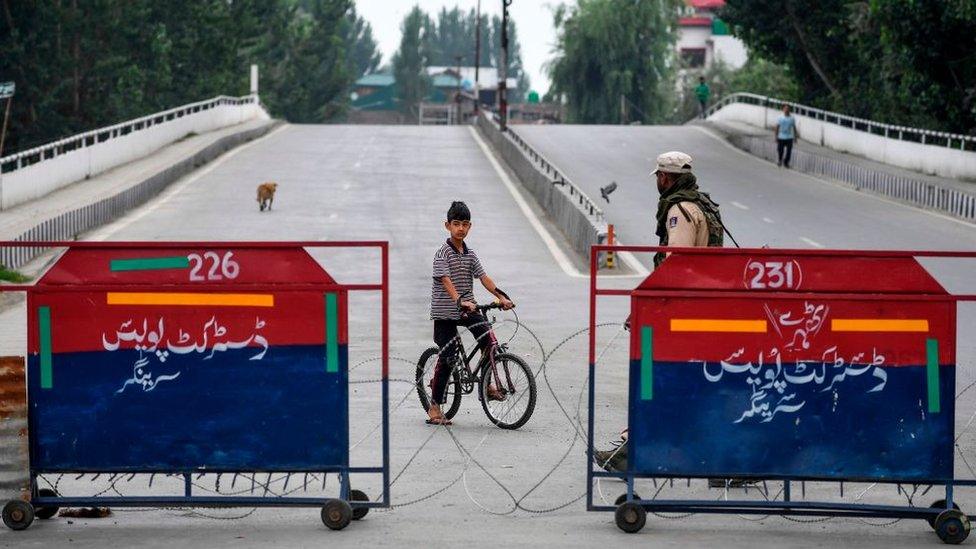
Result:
[[786, 134], [702, 92]]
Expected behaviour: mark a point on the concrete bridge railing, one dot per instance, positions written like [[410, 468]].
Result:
[[35, 172], [575, 213], [937, 153]]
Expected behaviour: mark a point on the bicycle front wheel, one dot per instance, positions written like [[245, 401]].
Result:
[[424, 378], [511, 379]]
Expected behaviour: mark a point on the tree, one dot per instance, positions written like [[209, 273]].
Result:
[[899, 61], [929, 53], [452, 36], [514, 69], [80, 64], [807, 35], [411, 61], [454, 33], [363, 55], [608, 49]]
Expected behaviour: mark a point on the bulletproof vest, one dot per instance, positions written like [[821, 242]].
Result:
[[713, 219]]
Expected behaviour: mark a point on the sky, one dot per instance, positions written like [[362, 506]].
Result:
[[533, 18]]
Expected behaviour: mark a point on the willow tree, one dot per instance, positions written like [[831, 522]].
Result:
[[612, 49]]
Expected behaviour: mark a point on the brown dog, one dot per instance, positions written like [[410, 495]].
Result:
[[266, 192]]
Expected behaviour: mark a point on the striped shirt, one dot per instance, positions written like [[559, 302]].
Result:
[[463, 268]]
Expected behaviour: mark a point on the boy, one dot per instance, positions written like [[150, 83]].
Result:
[[452, 304]]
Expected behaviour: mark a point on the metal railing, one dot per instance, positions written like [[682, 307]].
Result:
[[912, 191], [69, 224], [51, 150], [890, 131], [558, 178]]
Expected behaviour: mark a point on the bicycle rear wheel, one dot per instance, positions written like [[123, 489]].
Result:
[[425, 376], [513, 378]]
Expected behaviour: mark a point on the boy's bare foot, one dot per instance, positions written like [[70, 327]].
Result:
[[436, 417], [495, 394]]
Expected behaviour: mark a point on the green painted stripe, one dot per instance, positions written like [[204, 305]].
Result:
[[44, 330], [932, 374], [331, 334], [647, 363], [150, 264]]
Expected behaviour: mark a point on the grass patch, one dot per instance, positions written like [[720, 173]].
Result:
[[8, 275]]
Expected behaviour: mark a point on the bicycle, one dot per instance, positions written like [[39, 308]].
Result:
[[498, 368]]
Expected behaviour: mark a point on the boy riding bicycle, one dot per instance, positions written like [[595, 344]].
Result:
[[452, 304]]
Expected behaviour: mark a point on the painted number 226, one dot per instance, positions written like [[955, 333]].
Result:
[[772, 275], [220, 267]]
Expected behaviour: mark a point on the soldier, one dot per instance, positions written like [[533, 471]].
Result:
[[686, 217]]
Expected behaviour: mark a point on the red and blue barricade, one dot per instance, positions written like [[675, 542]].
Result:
[[789, 365], [195, 358]]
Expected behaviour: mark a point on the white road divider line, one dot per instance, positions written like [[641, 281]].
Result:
[[739, 205], [813, 243], [155, 203], [767, 220], [557, 253]]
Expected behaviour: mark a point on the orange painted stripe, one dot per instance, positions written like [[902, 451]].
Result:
[[717, 325], [190, 299], [879, 325]]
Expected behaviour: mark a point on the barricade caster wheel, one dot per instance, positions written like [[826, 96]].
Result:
[[358, 512], [630, 517], [623, 497], [18, 514], [45, 513], [941, 504], [952, 526], [337, 514]]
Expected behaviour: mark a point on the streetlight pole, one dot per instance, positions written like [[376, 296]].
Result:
[[477, 60], [503, 69]]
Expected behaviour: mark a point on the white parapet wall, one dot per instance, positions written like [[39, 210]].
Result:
[[935, 153], [34, 173]]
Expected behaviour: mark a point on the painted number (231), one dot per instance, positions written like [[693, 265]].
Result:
[[773, 275]]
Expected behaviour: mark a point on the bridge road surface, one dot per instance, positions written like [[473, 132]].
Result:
[[394, 183]]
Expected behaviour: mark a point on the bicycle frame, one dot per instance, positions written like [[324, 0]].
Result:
[[488, 353]]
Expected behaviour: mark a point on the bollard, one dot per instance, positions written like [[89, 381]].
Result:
[[610, 242]]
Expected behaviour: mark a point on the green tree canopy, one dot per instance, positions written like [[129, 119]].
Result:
[[608, 49], [454, 32], [361, 47], [411, 60], [81, 64], [899, 61]]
